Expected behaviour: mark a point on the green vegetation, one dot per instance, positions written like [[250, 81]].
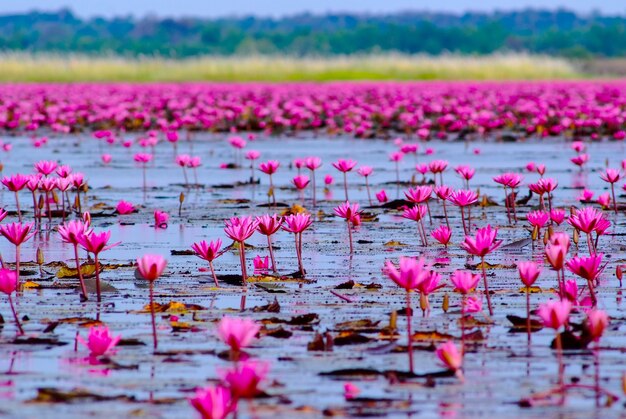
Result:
[[561, 33], [58, 68]]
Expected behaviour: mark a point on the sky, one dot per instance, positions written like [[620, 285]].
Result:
[[215, 8]]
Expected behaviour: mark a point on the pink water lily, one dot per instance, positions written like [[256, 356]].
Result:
[[99, 341], [238, 333]]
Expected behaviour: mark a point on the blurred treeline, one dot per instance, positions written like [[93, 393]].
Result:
[[561, 33]]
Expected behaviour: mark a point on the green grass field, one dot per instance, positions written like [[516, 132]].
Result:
[[57, 68]]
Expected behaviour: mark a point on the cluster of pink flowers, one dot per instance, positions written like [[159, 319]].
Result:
[[429, 110]]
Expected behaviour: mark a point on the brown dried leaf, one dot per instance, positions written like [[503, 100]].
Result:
[[53, 395], [431, 336], [171, 307], [350, 338], [394, 243], [489, 266], [87, 269], [363, 325]]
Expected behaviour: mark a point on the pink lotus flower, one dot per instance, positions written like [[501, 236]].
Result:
[[16, 233], [528, 272], [237, 142], [160, 219], [381, 196], [442, 234], [541, 169], [437, 166], [570, 291], [365, 171], [419, 194], [96, 242], [443, 192], [301, 182], [588, 219], [560, 238], [297, 223], [194, 162], [261, 265], [214, 402], [48, 184], [350, 391], [408, 148], [347, 211], [268, 225], [557, 215], [578, 146], [352, 215], [183, 160], [580, 160], [313, 163], [237, 333], [587, 267], [466, 172], [269, 167], [611, 175], [124, 207], [472, 305], [99, 341], [8, 283], [510, 180], [73, 232], [597, 321], [252, 155], [483, 243], [171, 136], [416, 213], [245, 377], [554, 314], [328, 180], [410, 272], [64, 171], [344, 165], [142, 158], [604, 200], [585, 195], [555, 254], [464, 281], [429, 285], [151, 267], [240, 229], [45, 167], [538, 218], [78, 180], [396, 156], [463, 198], [209, 252], [450, 356], [421, 168], [16, 182]]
